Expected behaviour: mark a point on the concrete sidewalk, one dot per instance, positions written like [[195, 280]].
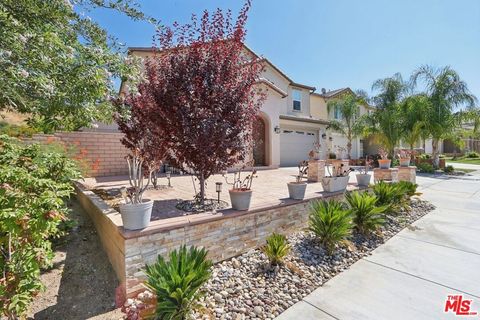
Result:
[[411, 275]]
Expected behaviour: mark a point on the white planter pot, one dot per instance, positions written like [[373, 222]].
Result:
[[136, 215], [384, 164], [334, 184], [296, 190], [404, 162], [363, 179], [240, 199]]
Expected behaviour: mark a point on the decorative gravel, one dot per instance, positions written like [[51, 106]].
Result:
[[246, 287], [193, 206]]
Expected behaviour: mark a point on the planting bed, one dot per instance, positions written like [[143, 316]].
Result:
[[246, 287]]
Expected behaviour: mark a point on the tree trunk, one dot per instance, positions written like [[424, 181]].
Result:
[[202, 189], [435, 153], [349, 149]]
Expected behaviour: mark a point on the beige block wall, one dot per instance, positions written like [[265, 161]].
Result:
[[318, 107], [103, 151]]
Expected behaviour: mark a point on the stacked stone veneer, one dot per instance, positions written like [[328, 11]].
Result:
[[316, 170], [407, 174], [103, 151], [390, 174], [225, 235]]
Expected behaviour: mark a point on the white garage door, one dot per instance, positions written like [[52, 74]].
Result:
[[295, 144]]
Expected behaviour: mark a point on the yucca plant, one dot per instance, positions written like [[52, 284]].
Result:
[[367, 216], [176, 282], [276, 249], [330, 222]]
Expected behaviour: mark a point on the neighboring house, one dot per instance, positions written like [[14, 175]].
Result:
[[319, 101]]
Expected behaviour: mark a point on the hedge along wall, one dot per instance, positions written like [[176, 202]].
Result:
[[103, 151]]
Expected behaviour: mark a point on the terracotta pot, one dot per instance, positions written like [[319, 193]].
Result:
[[296, 190], [363, 179], [136, 215], [240, 199], [384, 163], [405, 162], [334, 184]]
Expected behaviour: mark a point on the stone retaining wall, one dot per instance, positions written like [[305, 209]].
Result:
[[224, 235]]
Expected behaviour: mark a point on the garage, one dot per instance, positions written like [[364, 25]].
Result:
[[295, 144]]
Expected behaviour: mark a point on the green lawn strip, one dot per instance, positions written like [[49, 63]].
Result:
[[464, 160]]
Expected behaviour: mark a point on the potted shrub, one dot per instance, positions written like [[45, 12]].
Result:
[[338, 179], [241, 193], [363, 178], [404, 157], [136, 211], [383, 162], [296, 189]]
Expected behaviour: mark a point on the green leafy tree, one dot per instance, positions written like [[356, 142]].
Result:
[[384, 124], [58, 65], [350, 124], [447, 94]]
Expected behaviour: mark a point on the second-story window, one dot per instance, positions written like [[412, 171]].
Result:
[[297, 100], [337, 114]]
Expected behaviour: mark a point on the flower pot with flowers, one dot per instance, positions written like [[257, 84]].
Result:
[[296, 189], [404, 155], [384, 162], [241, 193]]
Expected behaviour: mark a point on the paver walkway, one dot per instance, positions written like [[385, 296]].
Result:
[[411, 275]]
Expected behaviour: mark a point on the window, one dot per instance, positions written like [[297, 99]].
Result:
[[299, 132], [337, 114], [297, 100], [287, 131]]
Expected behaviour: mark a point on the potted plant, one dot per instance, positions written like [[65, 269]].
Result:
[[296, 189], [363, 178], [337, 180], [383, 162], [136, 211], [404, 156], [241, 193], [315, 153]]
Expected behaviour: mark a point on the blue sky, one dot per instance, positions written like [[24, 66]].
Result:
[[338, 43]]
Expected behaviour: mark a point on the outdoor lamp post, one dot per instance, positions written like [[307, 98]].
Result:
[[169, 175], [218, 188]]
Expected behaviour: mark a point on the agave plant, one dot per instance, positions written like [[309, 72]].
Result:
[[276, 249], [367, 217], [176, 282], [330, 222]]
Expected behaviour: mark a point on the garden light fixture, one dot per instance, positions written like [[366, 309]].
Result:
[[218, 188]]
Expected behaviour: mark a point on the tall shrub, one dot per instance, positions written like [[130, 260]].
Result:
[[34, 184], [201, 84]]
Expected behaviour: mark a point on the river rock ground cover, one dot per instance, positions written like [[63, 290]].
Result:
[[247, 287]]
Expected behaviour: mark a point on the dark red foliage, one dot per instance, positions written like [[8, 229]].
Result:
[[200, 93]]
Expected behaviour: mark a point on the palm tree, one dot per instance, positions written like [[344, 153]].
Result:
[[447, 93], [413, 118], [384, 124], [350, 124]]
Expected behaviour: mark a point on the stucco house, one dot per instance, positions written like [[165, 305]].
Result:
[[292, 118]]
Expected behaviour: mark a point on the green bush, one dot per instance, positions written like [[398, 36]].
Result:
[[330, 222], [177, 282], [424, 156], [472, 154], [449, 169], [425, 167], [14, 130], [34, 184], [367, 217], [391, 195], [276, 249], [408, 188]]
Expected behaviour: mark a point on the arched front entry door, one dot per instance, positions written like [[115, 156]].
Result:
[[259, 142]]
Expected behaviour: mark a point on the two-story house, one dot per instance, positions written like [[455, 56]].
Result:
[[292, 118]]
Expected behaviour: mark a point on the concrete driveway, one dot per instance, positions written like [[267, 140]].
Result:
[[411, 275]]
